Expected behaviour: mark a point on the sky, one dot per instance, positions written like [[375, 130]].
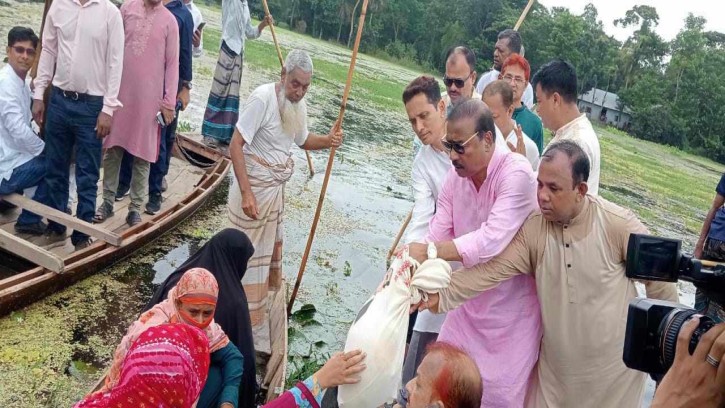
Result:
[[672, 13]]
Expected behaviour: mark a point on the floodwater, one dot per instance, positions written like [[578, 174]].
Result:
[[52, 351]]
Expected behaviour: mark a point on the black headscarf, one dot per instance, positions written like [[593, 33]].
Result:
[[225, 256]]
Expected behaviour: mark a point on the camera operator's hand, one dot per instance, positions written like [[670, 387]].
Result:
[[692, 381]]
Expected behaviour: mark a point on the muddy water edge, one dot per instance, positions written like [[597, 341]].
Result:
[[54, 350]]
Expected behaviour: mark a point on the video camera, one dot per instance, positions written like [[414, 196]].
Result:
[[653, 325]]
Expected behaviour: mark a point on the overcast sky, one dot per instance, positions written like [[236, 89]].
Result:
[[672, 13]]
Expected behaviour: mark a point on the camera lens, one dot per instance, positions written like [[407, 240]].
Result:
[[670, 329]]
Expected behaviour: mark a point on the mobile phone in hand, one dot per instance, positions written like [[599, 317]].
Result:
[[201, 26], [160, 119]]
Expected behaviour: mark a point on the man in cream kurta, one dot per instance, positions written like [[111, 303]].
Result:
[[576, 248], [556, 92]]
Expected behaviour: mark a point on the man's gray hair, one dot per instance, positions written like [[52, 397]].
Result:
[[298, 59]]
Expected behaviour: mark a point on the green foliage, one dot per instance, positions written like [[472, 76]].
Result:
[[674, 90]]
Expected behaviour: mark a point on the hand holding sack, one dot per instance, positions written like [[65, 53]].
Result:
[[381, 326]]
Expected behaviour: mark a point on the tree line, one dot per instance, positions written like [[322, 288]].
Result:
[[674, 89]]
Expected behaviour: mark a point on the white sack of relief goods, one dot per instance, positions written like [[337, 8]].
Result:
[[382, 325]]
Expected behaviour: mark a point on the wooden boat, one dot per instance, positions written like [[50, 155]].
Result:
[[38, 267], [210, 167]]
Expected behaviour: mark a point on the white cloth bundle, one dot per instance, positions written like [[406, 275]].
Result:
[[380, 331]]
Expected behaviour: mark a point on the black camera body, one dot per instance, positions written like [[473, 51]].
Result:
[[653, 325]]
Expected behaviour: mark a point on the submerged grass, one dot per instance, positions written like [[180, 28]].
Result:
[[670, 190]]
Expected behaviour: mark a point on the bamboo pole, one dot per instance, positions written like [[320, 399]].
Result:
[[400, 234], [331, 159], [34, 68], [281, 63], [523, 14]]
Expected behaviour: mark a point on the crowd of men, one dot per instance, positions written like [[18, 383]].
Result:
[[539, 299], [109, 87]]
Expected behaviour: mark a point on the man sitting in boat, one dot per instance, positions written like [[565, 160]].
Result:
[[447, 377], [21, 166], [192, 301], [272, 118]]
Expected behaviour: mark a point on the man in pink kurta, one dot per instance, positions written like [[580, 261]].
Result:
[[486, 197], [148, 86]]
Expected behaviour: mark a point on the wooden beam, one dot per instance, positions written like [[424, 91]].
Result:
[[62, 218], [31, 252]]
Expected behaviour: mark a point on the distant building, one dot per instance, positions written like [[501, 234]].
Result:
[[605, 107]]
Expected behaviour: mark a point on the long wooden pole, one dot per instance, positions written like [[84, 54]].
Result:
[[523, 14], [34, 68], [407, 219], [400, 233], [331, 159], [281, 63]]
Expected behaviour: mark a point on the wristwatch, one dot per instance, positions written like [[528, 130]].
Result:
[[432, 251], [186, 84]]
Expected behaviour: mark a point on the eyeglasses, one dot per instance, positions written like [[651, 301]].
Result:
[[22, 50], [519, 80], [458, 147], [459, 82]]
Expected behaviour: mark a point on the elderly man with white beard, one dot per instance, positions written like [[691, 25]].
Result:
[[272, 118]]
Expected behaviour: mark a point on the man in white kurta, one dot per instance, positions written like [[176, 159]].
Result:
[[499, 97], [426, 111], [272, 119], [576, 248], [556, 91]]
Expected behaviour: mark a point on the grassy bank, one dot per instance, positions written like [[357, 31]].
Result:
[[669, 189]]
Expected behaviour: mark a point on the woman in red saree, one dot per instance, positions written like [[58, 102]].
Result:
[[166, 366]]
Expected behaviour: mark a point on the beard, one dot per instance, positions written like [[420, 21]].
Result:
[[292, 114]]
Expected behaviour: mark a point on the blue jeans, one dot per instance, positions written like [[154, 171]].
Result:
[[160, 169], [70, 123], [24, 176]]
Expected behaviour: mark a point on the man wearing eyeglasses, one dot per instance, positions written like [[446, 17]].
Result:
[[575, 247], [460, 77], [427, 115], [486, 197], [21, 165], [516, 71]]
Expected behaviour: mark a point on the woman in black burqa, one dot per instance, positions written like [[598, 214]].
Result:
[[226, 255]]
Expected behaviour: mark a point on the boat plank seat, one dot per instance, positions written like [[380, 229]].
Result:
[[31, 252], [64, 219]]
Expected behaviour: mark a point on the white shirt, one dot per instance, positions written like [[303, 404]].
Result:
[[532, 151], [260, 124], [237, 24], [580, 130], [492, 75], [430, 168], [198, 19], [18, 142]]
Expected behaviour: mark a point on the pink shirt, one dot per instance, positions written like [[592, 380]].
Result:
[[84, 45], [501, 328], [150, 78]]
